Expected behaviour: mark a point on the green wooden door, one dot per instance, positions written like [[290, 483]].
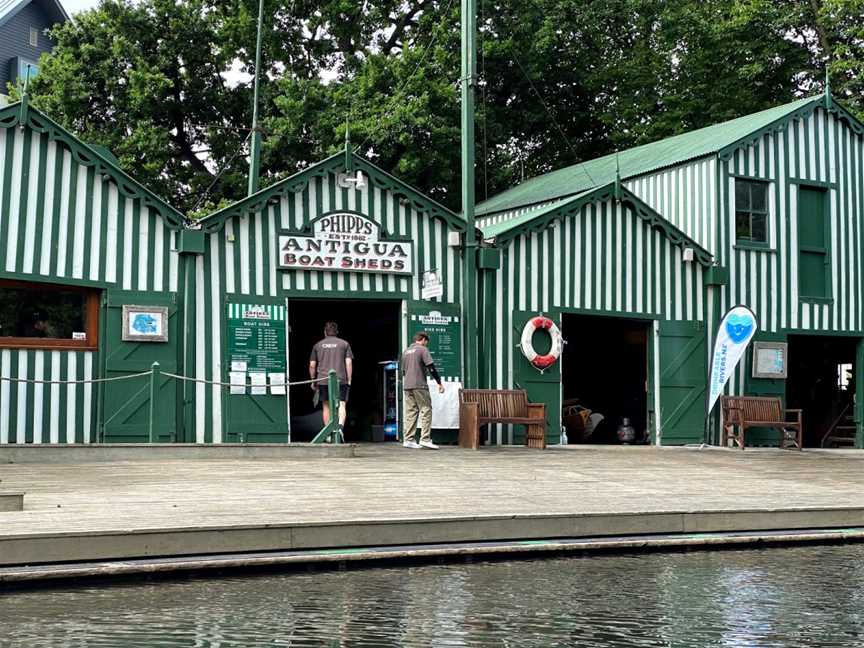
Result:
[[257, 338], [683, 381], [813, 235], [859, 394], [542, 387], [126, 403]]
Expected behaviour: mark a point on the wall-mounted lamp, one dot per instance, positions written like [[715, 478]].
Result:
[[688, 254], [357, 181]]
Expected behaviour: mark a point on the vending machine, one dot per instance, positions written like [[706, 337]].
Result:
[[389, 374]]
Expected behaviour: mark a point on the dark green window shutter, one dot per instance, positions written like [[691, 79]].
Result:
[[813, 237]]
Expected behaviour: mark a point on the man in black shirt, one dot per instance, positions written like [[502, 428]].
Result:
[[332, 353]]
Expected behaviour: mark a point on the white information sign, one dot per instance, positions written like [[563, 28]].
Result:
[[258, 382], [347, 242], [445, 407]]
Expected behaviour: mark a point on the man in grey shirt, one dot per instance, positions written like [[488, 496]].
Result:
[[416, 364], [332, 353]]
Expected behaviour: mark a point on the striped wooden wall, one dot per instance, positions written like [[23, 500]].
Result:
[[64, 219], [241, 260], [818, 148], [686, 196], [603, 259]]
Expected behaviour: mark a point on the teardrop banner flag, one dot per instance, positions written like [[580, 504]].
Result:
[[736, 330]]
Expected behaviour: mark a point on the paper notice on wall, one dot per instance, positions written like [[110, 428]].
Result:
[[238, 382], [258, 380], [238, 365], [445, 407], [277, 383]]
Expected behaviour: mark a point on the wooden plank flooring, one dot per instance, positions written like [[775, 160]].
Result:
[[387, 482]]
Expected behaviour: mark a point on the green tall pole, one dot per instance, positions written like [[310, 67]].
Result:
[[469, 275], [255, 156]]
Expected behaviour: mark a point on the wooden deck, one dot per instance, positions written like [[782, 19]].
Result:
[[391, 495]]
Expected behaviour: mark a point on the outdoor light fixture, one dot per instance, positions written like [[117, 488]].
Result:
[[454, 239], [345, 180], [688, 254]]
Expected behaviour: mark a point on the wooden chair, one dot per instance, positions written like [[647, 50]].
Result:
[[743, 412], [479, 407]]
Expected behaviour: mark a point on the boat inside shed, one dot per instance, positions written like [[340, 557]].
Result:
[[371, 327], [604, 376]]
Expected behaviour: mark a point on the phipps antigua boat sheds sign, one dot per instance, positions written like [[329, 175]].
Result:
[[346, 242]]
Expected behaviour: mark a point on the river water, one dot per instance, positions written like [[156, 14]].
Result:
[[785, 597]]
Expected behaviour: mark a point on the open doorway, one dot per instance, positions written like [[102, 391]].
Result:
[[604, 375], [821, 382], [371, 327]]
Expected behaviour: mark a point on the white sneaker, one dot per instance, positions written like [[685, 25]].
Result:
[[428, 444], [410, 444]]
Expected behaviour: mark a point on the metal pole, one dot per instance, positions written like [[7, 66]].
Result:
[[469, 274], [154, 376], [255, 154]]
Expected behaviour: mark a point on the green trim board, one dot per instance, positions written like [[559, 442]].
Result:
[[297, 182], [536, 221], [90, 157]]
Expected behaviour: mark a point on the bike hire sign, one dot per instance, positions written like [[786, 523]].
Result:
[[736, 330], [345, 241]]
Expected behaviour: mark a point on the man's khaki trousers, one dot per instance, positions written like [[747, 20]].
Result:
[[418, 403]]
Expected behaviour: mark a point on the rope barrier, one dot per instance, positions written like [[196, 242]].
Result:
[[243, 384], [33, 381]]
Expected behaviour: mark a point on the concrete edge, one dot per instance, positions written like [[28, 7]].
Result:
[[155, 543], [531, 549]]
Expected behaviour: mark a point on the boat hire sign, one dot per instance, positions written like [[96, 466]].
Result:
[[345, 242]]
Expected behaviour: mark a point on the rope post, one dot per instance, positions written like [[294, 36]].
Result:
[[332, 427], [154, 376]]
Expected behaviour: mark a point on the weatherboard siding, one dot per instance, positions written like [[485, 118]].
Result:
[[686, 196], [241, 263], [62, 223], [604, 259]]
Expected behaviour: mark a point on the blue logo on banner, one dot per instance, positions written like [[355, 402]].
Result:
[[739, 327], [144, 324]]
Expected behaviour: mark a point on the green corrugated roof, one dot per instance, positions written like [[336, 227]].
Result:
[[636, 161]]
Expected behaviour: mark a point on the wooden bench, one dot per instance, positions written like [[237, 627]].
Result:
[[743, 412], [479, 407]]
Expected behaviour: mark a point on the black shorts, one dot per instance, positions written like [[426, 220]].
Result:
[[324, 392]]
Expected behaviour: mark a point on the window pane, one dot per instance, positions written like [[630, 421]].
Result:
[[758, 227], [742, 195], [812, 274], [742, 226], [33, 313], [758, 196]]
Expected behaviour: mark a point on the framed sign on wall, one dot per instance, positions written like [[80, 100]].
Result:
[[770, 359], [145, 323]]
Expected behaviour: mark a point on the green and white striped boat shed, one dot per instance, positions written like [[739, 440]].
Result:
[[648, 235]]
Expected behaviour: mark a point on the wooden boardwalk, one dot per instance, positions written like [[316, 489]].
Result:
[[90, 510]]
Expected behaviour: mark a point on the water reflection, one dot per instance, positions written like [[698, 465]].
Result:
[[806, 596]]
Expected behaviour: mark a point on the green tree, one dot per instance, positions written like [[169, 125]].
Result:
[[165, 84]]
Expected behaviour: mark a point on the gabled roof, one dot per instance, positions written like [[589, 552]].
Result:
[[539, 219], [644, 159], [55, 11], [89, 156], [335, 163]]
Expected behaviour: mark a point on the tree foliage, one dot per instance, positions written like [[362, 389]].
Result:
[[165, 84]]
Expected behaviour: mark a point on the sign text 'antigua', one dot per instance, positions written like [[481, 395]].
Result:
[[347, 242]]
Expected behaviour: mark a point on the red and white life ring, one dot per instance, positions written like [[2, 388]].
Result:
[[542, 362]]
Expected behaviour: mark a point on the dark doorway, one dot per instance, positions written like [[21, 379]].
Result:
[[821, 382], [604, 378], [372, 330]]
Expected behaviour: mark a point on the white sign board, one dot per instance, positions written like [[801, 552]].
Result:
[[432, 286], [445, 407], [345, 242]]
